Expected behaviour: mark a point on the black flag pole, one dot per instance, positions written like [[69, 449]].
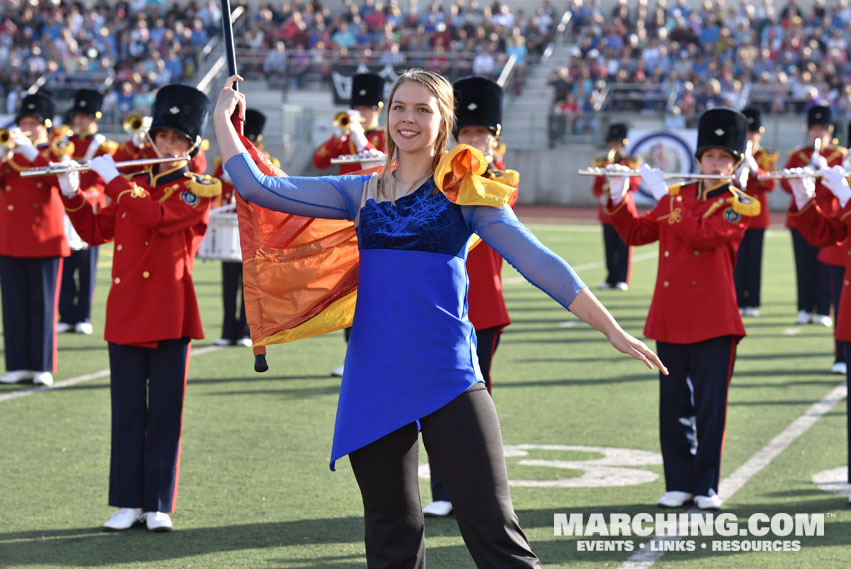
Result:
[[227, 29]]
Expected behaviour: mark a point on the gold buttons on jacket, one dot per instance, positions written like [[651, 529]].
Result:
[[11, 207], [667, 253], [846, 283], [123, 215], [116, 280], [38, 184], [146, 274], [693, 283], [695, 252], [119, 247], [35, 204], [666, 284]]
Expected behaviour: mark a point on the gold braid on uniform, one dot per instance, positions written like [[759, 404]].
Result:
[[204, 186], [743, 204]]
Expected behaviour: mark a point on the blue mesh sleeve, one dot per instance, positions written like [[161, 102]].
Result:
[[500, 228], [327, 197]]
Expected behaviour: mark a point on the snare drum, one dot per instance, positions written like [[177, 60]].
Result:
[[221, 241]]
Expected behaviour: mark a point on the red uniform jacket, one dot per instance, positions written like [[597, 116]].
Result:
[[90, 182], [600, 189], [822, 229], [157, 226], [342, 146], [759, 189], [485, 303], [799, 158], [31, 212], [126, 151], [699, 231]]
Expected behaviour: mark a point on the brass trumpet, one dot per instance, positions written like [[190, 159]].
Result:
[[135, 123], [60, 141], [7, 134], [64, 168], [342, 121]]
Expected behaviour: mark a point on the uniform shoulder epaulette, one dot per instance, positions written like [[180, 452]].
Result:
[[768, 158], [275, 162], [599, 162], [674, 189], [509, 177], [204, 186], [743, 204], [217, 162], [634, 162], [109, 146]]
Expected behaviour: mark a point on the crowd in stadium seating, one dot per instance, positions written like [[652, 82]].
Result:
[[139, 44], [456, 39], [682, 58]]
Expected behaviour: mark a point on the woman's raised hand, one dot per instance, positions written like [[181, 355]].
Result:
[[230, 100]]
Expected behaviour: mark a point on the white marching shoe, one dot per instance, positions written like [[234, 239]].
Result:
[[244, 342], [438, 509], [804, 317], [839, 368], [123, 518], [42, 378], [83, 328], [750, 311], [338, 371], [157, 521], [674, 499], [16, 376], [708, 502], [621, 286], [823, 320], [64, 327]]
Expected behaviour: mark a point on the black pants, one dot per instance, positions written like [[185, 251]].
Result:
[[617, 256], [29, 311], [836, 278], [747, 274], [234, 325], [464, 441], [811, 275], [79, 273], [846, 347], [147, 387], [487, 341], [693, 412]]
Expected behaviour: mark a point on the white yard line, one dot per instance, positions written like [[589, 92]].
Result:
[[87, 377], [645, 557]]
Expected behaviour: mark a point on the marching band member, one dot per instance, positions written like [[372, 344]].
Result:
[[363, 134], [32, 245], [747, 273], [693, 315], [409, 363], [821, 229], [156, 219], [79, 271], [138, 147], [235, 330], [478, 123], [811, 264], [618, 253]]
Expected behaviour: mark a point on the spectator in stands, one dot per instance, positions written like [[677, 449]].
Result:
[[275, 64]]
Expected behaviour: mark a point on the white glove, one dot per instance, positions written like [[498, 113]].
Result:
[[139, 139], [225, 177], [24, 146], [105, 167], [356, 131], [750, 162], [818, 162], [836, 181], [6, 154], [68, 181], [742, 174], [652, 178], [803, 186], [618, 185]]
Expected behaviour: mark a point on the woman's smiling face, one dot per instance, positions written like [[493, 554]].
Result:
[[413, 118]]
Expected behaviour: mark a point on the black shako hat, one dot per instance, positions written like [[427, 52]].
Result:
[[819, 115], [87, 102], [754, 117], [617, 131], [183, 109], [39, 106], [367, 90], [478, 102], [722, 128], [254, 123]]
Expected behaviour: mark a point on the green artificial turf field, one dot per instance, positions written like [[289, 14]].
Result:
[[256, 492]]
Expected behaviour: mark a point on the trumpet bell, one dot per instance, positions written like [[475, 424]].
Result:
[[135, 123], [342, 120]]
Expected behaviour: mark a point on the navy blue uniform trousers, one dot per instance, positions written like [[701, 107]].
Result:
[[811, 275], [79, 273], [747, 274], [693, 412], [29, 311], [617, 255], [147, 388], [234, 325]]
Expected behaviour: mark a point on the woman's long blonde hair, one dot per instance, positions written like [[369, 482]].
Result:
[[441, 88]]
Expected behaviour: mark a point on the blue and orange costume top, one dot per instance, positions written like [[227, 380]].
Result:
[[413, 348]]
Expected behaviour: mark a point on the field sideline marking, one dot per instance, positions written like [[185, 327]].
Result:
[[644, 558], [87, 377]]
